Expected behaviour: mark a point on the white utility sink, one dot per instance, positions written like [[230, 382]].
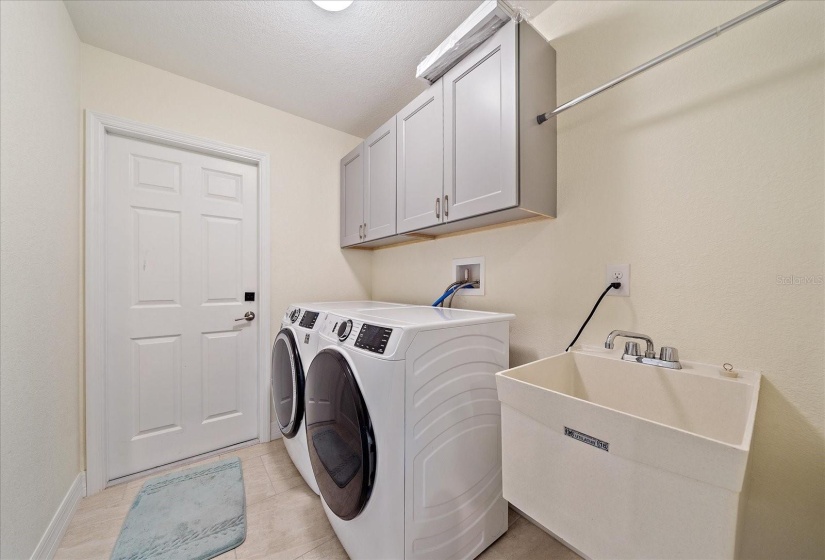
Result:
[[625, 460]]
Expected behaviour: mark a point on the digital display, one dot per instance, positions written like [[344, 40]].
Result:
[[308, 320], [373, 338]]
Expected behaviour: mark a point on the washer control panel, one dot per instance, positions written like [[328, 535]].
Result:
[[308, 320], [373, 338], [358, 335]]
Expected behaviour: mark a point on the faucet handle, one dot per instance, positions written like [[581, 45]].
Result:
[[632, 349], [668, 354]]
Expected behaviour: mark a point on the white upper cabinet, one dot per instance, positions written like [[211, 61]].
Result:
[[352, 197], [466, 153], [481, 129], [379, 182], [421, 161]]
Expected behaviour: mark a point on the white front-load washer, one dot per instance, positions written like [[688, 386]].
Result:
[[292, 352], [403, 427]]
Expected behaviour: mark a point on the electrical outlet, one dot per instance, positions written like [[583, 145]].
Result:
[[470, 268], [618, 273]]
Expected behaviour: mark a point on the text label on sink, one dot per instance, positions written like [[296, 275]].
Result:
[[589, 440]]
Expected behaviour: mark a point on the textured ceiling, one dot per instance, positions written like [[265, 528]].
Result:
[[350, 70]]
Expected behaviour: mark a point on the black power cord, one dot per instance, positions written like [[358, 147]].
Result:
[[614, 286]]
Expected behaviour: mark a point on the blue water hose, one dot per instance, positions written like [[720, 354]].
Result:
[[444, 296]]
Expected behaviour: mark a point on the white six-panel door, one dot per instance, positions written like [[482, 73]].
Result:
[[181, 251]]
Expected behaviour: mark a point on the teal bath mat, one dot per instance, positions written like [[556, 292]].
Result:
[[193, 514]]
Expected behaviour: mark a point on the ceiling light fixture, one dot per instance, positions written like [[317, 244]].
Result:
[[332, 5]]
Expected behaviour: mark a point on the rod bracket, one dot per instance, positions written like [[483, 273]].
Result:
[[541, 118]]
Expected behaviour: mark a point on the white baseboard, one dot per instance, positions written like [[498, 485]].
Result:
[[48, 544]]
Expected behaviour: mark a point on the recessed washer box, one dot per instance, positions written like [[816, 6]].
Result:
[[472, 268]]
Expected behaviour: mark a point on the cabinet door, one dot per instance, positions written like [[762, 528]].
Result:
[[480, 129], [421, 161], [352, 196], [379, 182]]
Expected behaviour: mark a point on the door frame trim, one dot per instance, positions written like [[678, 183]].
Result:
[[98, 126]]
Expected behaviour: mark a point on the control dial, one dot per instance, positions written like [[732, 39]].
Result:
[[296, 313], [344, 329]]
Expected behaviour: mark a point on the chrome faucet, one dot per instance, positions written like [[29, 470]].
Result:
[[650, 352], [668, 356]]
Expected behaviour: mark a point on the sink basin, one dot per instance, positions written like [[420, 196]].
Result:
[[624, 460]]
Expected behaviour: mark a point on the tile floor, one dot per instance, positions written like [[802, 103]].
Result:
[[284, 518]]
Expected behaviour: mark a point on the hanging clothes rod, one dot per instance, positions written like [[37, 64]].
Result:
[[684, 47]]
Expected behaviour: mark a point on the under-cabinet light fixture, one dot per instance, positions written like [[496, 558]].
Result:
[[332, 5]]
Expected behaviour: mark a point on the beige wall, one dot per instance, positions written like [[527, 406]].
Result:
[[39, 273], [706, 175]]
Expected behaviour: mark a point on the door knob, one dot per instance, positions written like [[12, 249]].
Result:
[[248, 316]]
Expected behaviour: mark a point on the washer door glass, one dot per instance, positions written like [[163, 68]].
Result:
[[339, 435], [287, 383]]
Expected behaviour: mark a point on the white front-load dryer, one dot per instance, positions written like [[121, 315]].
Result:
[[294, 348], [403, 427], [292, 352]]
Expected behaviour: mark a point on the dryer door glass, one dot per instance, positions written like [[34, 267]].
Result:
[[339, 435], [287, 383]]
